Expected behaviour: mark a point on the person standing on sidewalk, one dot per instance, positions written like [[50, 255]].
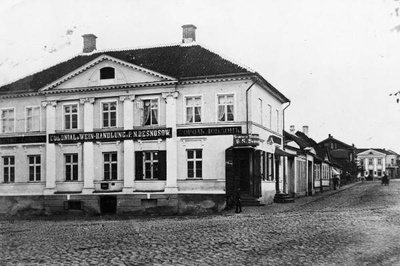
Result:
[[238, 201]]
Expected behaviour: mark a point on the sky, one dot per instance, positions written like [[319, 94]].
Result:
[[337, 61]]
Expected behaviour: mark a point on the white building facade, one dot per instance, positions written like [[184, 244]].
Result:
[[169, 129]]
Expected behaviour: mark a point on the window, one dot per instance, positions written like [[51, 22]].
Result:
[[379, 161], [109, 113], [270, 116], [277, 120], [194, 163], [150, 112], [150, 165], [150, 162], [260, 111], [34, 167], [193, 109], [9, 169], [370, 161], [225, 108], [7, 120], [33, 118], [379, 172], [71, 167], [107, 73], [71, 116], [110, 163]]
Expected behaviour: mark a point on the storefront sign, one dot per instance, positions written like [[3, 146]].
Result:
[[246, 140], [207, 131], [23, 139], [111, 135]]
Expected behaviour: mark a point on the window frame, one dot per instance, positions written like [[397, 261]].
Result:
[[71, 164], [11, 174], [34, 165], [2, 121], [151, 161], [185, 98], [106, 67], [226, 108], [110, 163], [64, 115], [194, 160], [158, 111], [33, 122], [269, 116], [102, 113]]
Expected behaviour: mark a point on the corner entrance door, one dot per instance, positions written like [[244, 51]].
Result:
[[108, 204]]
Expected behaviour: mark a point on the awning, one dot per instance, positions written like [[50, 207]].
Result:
[[280, 152], [335, 172]]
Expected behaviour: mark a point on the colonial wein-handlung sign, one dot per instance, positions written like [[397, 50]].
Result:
[[111, 135], [246, 140]]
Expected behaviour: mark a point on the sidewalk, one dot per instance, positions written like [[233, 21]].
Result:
[[284, 207]]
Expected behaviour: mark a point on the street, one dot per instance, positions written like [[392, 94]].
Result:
[[356, 225]]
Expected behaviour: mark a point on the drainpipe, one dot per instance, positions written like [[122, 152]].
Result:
[[247, 106], [283, 146]]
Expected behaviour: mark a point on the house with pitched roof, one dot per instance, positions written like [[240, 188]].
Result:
[[166, 129], [376, 161]]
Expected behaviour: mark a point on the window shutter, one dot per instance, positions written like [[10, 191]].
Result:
[[138, 165], [162, 165]]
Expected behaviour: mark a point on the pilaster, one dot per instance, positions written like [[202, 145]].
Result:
[[88, 162], [129, 150], [50, 147]]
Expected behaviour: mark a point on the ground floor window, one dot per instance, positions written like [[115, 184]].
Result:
[[317, 171], [9, 169], [110, 165], [195, 163], [150, 165], [379, 172], [71, 167], [34, 166]]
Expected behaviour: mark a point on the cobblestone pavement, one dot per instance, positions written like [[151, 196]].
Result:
[[356, 225]]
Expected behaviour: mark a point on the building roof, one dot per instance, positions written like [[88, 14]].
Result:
[[330, 138], [384, 151], [178, 61]]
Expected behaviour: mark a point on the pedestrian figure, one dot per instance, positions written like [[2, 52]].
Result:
[[238, 201], [362, 179], [385, 179], [336, 182]]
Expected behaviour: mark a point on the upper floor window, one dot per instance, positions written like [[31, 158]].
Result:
[[226, 107], [193, 109], [150, 112], [269, 116], [277, 120], [9, 169], [370, 161], [33, 118], [379, 161], [109, 114], [260, 111], [71, 116], [7, 120], [107, 73]]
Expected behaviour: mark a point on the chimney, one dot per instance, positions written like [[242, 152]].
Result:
[[292, 129], [189, 33], [305, 130], [89, 43]]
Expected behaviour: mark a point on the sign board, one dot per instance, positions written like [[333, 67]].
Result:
[[23, 139], [161, 133], [246, 140], [208, 131]]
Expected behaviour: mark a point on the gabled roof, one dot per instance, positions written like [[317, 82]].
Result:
[[384, 151], [330, 138], [178, 61]]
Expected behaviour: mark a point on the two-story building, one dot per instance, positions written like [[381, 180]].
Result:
[[166, 129], [376, 161]]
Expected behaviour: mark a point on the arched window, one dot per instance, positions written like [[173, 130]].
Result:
[[107, 73]]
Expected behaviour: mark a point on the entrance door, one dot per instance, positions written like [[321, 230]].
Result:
[[108, 204]]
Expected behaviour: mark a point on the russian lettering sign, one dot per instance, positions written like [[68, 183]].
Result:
[[207, 131], [246, 140]]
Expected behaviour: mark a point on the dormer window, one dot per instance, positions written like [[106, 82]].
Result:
[[107, 73]]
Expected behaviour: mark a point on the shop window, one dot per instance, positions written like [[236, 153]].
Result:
[[193, 109], [150, 112], [109, 114], [71, 167], [33, 118], [150, 165], [195, 163], [7, 120], [34, 166], [225, 108], [107, 73], [110, 163], [71, 116], [9, 169]]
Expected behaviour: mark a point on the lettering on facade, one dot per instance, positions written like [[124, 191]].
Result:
[[111, 135], [246, 140], [23, 139], [206, 131]]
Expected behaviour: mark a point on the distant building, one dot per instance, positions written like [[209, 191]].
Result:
[[376, 161], [165, 129]]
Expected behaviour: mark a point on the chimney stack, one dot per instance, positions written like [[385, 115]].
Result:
[[189, 33], [89, 43], [292, 129], [305, 130]]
